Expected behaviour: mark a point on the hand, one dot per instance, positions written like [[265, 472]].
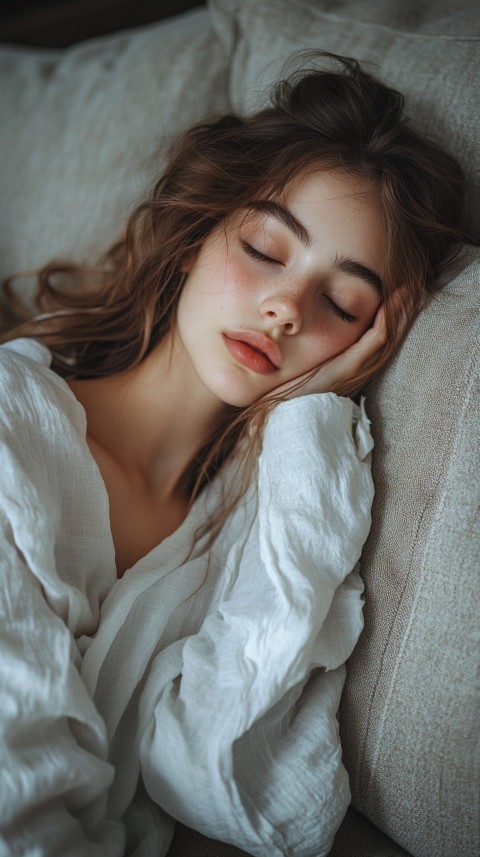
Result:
[[335, 373]]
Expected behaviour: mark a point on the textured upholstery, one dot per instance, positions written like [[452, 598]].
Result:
[[410, 709], [85, 130]]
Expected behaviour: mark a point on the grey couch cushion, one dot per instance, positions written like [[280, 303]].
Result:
[[410, 710], [85, 129]]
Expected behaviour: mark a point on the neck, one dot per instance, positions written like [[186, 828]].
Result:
[[153, 419]]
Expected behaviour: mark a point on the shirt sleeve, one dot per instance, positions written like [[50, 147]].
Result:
[[53, 744], [242, 739]]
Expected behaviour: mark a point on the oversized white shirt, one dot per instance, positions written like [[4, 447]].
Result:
[[201, 686]]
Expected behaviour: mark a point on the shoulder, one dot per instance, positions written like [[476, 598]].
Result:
[[28, 385], [39, 415], [52, 498], [24, 363], [25, 349]]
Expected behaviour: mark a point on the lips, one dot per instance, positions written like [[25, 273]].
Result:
[[254, 350]]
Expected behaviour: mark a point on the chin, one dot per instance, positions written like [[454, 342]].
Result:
[[235, 394], [239, 400], [234, 385]]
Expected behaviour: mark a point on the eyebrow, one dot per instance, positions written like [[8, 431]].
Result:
[[358, 269], [341, 263], [268, 206]]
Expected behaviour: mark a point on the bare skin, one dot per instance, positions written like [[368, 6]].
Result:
[[146, 425], [142, 442], [142, 470]]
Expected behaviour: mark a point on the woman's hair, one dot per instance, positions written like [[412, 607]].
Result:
[[102, 319]]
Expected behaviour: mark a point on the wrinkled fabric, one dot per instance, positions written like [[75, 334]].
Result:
[[204, 684], [57, 564]]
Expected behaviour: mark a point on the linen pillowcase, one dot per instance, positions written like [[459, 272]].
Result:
[[429, 51], [84, 131]]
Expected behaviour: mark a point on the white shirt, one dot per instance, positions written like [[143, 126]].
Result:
[[203, 688]]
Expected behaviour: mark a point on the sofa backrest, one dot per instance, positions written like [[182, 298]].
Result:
[[410, 709], [85, 130]]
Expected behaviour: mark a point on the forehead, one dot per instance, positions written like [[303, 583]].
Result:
[[321, 200], [322, 186], [315, 191]]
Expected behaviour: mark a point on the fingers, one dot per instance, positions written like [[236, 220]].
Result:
[[379, 325]]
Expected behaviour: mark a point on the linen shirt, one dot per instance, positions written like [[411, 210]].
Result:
[[204, 684]]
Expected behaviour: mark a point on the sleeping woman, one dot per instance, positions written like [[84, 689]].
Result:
[[185, 479]]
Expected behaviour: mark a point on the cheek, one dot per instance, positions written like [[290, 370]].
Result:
[[236, 278], [222, 275], [346, 335], [214, 286], [327, 342], [340, 335]]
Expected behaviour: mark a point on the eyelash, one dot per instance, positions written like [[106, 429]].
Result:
[[256, 254], [345, 316]]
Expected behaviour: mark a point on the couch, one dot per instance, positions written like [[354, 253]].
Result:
[[84, 130]]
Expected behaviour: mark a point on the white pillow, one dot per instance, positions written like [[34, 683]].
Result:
[[84, 131]]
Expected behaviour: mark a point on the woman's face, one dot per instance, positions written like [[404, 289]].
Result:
[[282, 287]]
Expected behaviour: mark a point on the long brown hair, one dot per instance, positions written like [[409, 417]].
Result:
[[104, 318]]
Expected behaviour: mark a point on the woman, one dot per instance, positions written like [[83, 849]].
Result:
[[181, 521]]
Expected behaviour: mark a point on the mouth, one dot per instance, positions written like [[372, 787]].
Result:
[[254, 350]]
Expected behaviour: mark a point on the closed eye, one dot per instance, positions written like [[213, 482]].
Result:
[[345, 316], [255, 254]]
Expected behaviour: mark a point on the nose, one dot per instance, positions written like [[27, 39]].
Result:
[[283, 310]]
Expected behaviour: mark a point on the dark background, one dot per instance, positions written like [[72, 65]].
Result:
[[59, 23]]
